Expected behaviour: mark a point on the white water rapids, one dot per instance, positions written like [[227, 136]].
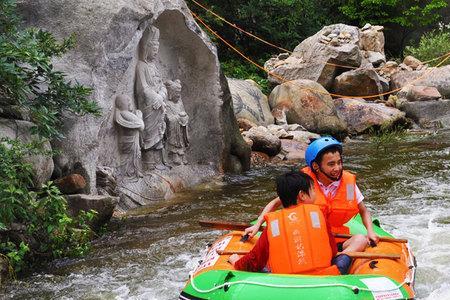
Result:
[[149, 255]]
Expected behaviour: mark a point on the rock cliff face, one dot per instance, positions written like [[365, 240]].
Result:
[[155, 55]]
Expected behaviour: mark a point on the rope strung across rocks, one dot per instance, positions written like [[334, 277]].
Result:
[[283, 49], [284, 80]]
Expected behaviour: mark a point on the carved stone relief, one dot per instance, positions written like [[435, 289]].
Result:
[[177, 138], [131, 124], [151, 95]]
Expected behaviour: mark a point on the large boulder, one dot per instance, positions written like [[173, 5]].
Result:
[[361, 115], [359, 82], [112, 39], [372, 38], [434, 77], [21, 130], [335, 44], [429, 114], [419, 93], [307, 103], [263, 140], [249, 102], [103, 205]]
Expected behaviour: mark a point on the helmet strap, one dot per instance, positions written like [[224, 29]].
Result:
[[328, 176]]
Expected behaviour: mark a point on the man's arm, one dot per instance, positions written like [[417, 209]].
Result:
[[256, 259], [271, 206], [367, 221]]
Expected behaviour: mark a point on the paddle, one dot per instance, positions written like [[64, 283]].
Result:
[[351, 254], [381, 238], [224, 225]]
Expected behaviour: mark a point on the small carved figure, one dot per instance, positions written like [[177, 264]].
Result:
[[177, 121], [151, 95], [130, 126]]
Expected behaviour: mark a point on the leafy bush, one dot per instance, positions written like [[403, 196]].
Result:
[[236, 69], [34, 223], [432, 44], [46, 230], [27, 77]]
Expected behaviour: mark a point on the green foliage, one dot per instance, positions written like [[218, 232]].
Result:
[[27, 77], [382, 137], [432, 44], [34, 224], [406, 13], [236, 69], [284, 23], [50, 231]]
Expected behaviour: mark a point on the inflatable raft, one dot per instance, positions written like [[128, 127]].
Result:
[[369, 278]]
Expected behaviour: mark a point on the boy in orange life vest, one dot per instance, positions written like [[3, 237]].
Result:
[[297, 239], [337, 193]]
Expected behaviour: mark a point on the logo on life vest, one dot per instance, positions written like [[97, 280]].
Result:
[[293, 217]]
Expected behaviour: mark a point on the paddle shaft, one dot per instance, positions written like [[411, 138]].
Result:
[[223, 225], [351, 254]]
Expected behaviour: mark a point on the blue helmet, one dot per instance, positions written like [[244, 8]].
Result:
[[318, 146]]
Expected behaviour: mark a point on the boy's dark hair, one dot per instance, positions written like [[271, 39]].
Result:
[[289, 186], [331, 149]]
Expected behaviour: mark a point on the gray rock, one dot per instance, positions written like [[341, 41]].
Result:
[[105, 58], [249, 102], [419, 93], [359, 82], [375, 58], [361, 115], [263, 140], [293, 150], [372, 39], [103, 205], [366, 27], [309, 59], [412, 62], [303, 136], [307, 103], [429, 114], [279, 131], [434, 77], [21, 130]]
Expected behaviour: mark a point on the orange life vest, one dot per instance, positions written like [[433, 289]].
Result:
[[343, 206], [298, 241]]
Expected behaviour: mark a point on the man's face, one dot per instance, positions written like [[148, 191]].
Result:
[[331, 165]]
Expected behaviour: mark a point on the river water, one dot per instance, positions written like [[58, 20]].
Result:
[[148, 254]]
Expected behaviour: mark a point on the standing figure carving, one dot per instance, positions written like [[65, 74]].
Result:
[[130, 126], [177, 122], [151, 95]]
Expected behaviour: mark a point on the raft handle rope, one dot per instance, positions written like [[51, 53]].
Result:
[[354, 288]]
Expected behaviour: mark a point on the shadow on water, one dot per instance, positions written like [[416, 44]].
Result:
[[148, 254]]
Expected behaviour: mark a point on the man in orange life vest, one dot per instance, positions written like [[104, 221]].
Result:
[[336, 193], [297, 239]]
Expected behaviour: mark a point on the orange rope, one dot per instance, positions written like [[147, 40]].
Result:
[[447, 56], [238, 28], [283, 49], [258, 38]]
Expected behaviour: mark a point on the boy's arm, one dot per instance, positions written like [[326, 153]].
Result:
[[367, 221], [333, 244], [256, 259], [271, 206]]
